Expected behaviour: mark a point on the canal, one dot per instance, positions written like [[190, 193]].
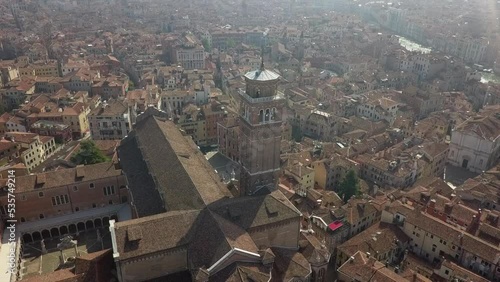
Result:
[[415, 47]]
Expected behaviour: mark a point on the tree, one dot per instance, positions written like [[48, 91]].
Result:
[[349, 186], [206, 45], [230, 43], [89, 154], [131, 85], [297, 133]]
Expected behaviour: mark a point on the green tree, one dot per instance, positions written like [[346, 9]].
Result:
[[206, 45], [230, 43], [89, 154], [297, 133], [349, 186], [131, 85]]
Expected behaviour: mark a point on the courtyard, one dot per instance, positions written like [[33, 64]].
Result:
[[34, 262]]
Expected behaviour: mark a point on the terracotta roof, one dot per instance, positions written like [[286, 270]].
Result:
[[243, 272], [289, 264], [364, 269], [483, 127], [143, 154], [66, 177], [155, 233], [379, 238], [112, 108], [251, 212]]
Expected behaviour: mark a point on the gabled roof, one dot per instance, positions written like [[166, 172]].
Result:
[[250, 212], [157, 158], [66, 177], [148, 235]]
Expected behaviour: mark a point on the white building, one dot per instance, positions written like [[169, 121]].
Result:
[[110, 121], [191, 53], [475, 144], [379, 109]]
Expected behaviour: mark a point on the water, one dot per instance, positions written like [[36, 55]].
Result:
[[489, 77], [414, 46]]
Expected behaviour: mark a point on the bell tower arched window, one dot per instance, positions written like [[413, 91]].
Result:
[[273, 114], [268, 115], [261, 116]]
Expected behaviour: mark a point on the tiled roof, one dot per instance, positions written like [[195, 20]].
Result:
[[251, 212], [379, 238], [243, 272], [487, 128], [163, 158], [66, 177], [364, 269], [289, 264], [155, 233]]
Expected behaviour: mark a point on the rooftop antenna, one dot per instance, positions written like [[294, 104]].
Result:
[[262, 56]]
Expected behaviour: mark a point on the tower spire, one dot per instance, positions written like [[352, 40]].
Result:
[[262, 56]]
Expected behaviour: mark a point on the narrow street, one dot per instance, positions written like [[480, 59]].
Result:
[[63, 153]]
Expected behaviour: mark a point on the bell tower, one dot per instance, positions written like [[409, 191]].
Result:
[[260, 125]]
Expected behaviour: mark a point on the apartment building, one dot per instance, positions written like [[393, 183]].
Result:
[[9, 151], [110, 87], [383, 241], [16, 92], [190, 53], [110, 121], [74, 116], [300, 177], [328, 173], [228, 134], [61, 132], [192, 122], [379, 109], [432, 239], [32, 149]]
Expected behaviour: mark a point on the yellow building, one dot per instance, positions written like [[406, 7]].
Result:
[[46, 68], [76, 118], [32, 149], [193, 123], [302, 175], [330, 172]]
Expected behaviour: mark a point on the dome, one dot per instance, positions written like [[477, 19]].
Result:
[[262, 75]]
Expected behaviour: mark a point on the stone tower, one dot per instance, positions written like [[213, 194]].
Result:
[[260, 125]]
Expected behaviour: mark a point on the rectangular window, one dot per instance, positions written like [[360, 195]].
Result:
[[60, 200], [109, 190]]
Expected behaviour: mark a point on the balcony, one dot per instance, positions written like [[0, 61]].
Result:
[[398, 222], [279, 96]]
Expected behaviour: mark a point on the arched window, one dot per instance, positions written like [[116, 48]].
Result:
[[257, 92], [268, 115], [261, 116], [273, 113], [321, 275]]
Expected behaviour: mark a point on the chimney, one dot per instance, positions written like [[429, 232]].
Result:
[[432, 203]]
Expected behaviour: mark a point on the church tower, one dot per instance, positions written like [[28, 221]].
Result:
[[261, 111]]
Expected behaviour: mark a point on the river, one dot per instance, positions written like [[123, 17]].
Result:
[[414, 46]]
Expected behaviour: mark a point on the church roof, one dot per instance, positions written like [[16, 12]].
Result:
[[161, 163]]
